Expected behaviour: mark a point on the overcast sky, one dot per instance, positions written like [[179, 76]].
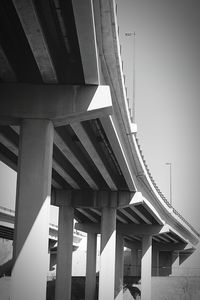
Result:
[[167, 87]]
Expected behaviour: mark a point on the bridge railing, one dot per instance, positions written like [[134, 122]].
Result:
[[161, 194], [7, 209]]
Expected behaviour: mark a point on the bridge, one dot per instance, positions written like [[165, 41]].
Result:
[[7, 221], [67, 130]]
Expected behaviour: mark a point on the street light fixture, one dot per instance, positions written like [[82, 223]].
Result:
[[170, 181]]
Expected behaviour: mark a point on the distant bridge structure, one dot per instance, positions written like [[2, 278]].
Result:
[[7, 220], [67, 132]]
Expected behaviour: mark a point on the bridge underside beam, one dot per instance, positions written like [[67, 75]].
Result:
[[126, 229], [95, 199], [62, 104], [85, 25]]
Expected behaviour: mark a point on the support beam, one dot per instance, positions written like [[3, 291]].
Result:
[[88, 227], [120, 153], [74, 160], [65, 248], [32, 211], [6, 71], [88, 215], [33, 30], [8, 143], [90, 284], [170, 238], [171, 247], [145, 219], [129, 199], [162, 238], [62, 104], [130, 217], [69, 179], [149, 207], [85, 26], [146, 266], [128, 229], [141, 229], [94, 154], [119, 267], [107, 256], [94, 199]]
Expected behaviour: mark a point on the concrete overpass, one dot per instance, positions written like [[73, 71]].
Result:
[[7, 221], [66, 128]]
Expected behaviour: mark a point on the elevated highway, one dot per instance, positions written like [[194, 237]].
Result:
[[67, 130], [7, 220]]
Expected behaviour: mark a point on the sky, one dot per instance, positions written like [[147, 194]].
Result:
[[167, 89]]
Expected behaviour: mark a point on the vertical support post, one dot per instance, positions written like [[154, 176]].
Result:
[[119, 265], [29, 274], [134, 261], [65, 246], [155, 261], [146, 266], [175, 263], [107, 256], [90, 284]]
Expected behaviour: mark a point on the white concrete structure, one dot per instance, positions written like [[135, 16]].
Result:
[[67, 131], [32, 210]]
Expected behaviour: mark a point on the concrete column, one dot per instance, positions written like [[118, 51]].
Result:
[[119, 267], [146, 266], [90, 284], [29, 274], [134, 261], [155, 262], [175, 263], [107, 256], [64, 252]]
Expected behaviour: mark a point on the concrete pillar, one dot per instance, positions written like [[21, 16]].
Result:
[[64, 251], [146, 266], [175, 263], [155, 262], [134, 261], [29, 274], [107, 256], [119, 267], [90, 284]]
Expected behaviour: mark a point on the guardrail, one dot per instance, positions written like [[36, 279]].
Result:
[[7, 209], [161, 194]]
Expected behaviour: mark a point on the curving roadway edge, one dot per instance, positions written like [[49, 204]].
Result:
[[111, 73]]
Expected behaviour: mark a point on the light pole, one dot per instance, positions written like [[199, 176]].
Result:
[[170, 181]]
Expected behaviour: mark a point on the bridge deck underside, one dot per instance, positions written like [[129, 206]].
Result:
[[90, 216], [39, 45]]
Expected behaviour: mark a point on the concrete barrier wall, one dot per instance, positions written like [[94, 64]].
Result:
[[176, 288]]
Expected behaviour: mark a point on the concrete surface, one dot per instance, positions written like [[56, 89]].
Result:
[[176, 288]]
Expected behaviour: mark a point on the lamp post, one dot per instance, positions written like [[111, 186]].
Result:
[[170, 181]]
